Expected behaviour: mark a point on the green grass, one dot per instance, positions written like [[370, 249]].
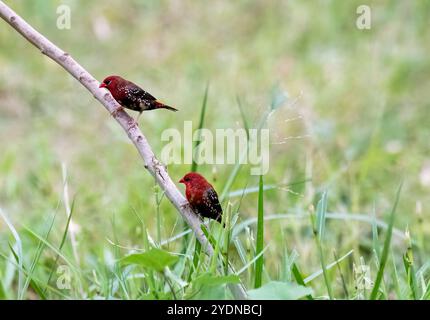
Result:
[[260, 237], [194, 164], [319, 228], [385, 250], [348, 116]]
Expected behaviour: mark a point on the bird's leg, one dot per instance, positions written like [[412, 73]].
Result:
[[115, 112], [137, 118], [186, 205]]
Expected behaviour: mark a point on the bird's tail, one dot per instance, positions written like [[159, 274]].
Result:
[[160, 105]]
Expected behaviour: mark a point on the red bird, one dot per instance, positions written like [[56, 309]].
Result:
[[131, 96], [202, 196]]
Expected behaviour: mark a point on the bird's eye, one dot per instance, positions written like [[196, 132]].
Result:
[[107, 82], [187, 179]]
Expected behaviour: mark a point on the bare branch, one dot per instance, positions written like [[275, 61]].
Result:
[[157, 170]]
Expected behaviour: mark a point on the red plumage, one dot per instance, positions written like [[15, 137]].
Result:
[[202, 196], [131, 96]]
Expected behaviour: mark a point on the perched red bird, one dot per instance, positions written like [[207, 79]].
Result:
[[131, 96], [202, 196]]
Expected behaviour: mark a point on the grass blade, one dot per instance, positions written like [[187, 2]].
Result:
[[40, 247], [19, 251], [260, 236], [30, 277], [243, 115], [328, 267], [34, 280], [396, 281], [54, 249], [3, 295], [194, 164], [196, 259], [63, 240], [299, 278], [319, 227], [375, 236], [408, 262], [342, 278], [386, 248], [321, 216], [246, 266], [334, 216]]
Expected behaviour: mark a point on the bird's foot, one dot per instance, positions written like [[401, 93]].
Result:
[[186, 206], [115, 112], [137, 118]]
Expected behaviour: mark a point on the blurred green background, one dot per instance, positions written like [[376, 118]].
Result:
[[358, 112]]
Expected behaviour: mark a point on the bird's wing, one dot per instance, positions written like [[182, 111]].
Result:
[[211, 204], [137, 94]]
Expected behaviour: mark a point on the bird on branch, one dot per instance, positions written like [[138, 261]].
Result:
[[202, 196], [131, 96]]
